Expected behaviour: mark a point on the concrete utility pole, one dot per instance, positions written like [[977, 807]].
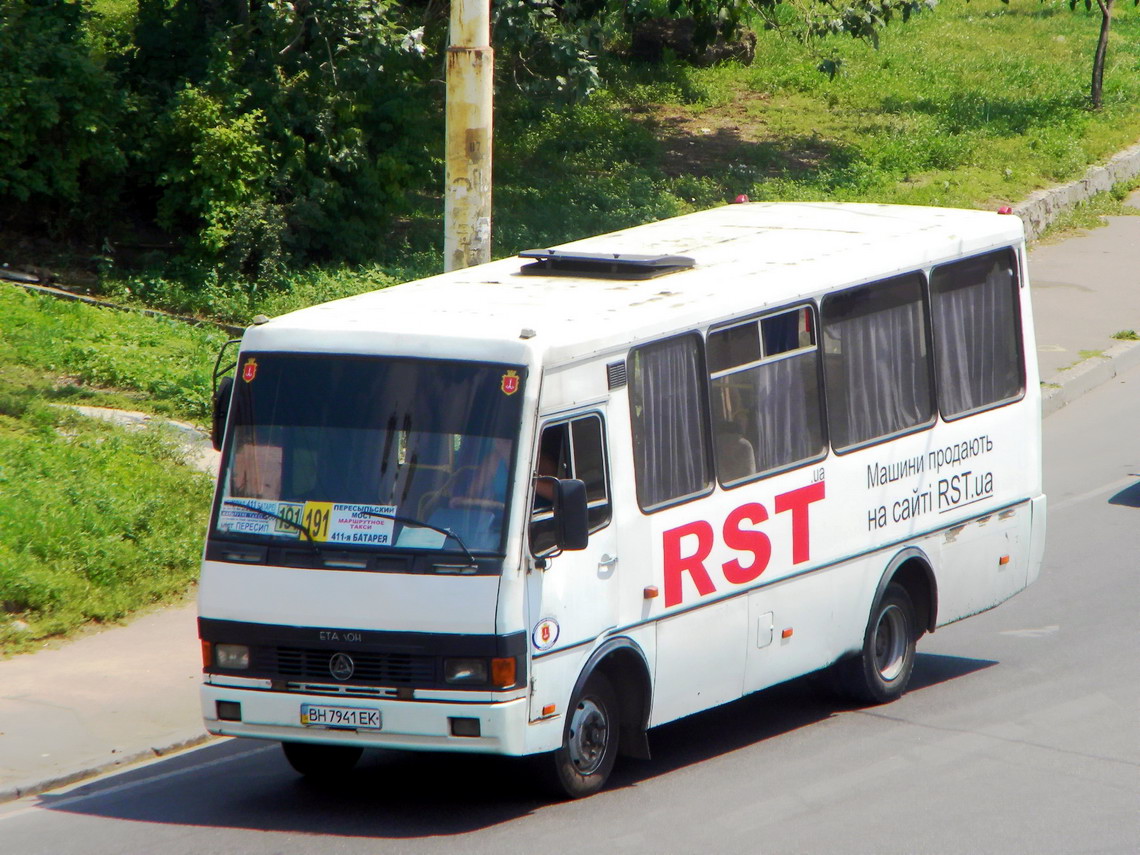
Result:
[[467, 191]]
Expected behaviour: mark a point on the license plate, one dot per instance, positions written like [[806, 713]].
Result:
[[313, 715]]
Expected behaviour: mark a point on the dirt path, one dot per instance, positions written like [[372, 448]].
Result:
[[200, 452]]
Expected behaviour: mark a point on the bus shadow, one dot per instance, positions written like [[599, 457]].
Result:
[[768, 714], [930, 669], [1129, 497], [402, 795]]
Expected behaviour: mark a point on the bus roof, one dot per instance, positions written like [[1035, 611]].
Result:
[[746, 256]]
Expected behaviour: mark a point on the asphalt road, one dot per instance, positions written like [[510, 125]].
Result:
[[1020, 735]]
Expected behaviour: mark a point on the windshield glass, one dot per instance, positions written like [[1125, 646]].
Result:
[[354, 451]]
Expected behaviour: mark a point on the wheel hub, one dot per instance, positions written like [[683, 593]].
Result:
[[890, 643], [589, 737]]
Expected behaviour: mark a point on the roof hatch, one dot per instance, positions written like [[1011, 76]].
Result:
[[611, 265]]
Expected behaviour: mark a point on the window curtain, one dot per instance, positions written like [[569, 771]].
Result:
[[977, 333], [787, 411], [876, 362], [670, 435]]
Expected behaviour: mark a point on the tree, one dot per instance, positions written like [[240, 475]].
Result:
[[58, 141], [278, 129], [1097, 88], [1096, 92]]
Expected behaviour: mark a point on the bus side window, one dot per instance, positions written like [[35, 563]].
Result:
[[765, 394], [977, 333], [669, 414], [877, 361], [574, 449]]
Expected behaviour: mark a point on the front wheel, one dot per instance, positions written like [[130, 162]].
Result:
[[321, 761], [589, 741], [881, 672]]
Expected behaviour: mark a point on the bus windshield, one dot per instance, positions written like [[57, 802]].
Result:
[[370, 452]]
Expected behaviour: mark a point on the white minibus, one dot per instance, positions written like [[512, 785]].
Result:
[[543, 505]]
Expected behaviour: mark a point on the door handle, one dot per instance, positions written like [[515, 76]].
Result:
[[607, 560]]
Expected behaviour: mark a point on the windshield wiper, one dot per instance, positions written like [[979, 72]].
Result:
[[301, 527], [446, 532]]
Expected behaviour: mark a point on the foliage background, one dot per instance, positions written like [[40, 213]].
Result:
[[215, 156]]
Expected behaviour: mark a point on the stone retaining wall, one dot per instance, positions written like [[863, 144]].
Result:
[[1043, 206]]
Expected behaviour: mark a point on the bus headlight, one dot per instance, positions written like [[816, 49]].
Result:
[[465, 670], [232, 656]]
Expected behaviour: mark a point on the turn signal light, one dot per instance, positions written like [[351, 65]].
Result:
[[207, 654], [503, 672]]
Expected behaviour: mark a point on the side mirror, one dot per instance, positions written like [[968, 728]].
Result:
[[565, 524], [570, 517], [223, 391], [221, 410]]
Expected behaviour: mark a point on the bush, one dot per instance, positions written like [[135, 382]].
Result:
[[292, 133], [60, 108]]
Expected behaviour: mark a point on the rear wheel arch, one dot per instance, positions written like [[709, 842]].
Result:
[[905, 606], [912, 570]]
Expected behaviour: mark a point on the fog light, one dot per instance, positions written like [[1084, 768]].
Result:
[[465, 670], [464, 726], [228, 710], [232, 656]]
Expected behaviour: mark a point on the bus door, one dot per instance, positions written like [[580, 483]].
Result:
[[572, 595]]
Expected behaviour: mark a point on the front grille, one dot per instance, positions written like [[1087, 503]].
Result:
[[383, 669], [345, 689]]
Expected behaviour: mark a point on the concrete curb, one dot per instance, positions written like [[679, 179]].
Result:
[[12, 792], [1068, 385], [1037, 213], [1042, 207]]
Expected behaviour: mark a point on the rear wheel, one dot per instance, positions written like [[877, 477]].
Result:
[[881, 672], [589, 741], [321, 761]]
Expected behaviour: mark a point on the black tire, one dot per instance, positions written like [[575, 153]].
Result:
[[881, 672], [321, 761], [589, 741]]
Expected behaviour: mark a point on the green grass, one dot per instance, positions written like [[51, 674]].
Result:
[[96, 522], [108, 358], [946, 112]]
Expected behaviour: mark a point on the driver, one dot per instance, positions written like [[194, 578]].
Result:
[[487, 486]]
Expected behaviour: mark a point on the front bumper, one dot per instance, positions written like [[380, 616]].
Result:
[[406, 724]]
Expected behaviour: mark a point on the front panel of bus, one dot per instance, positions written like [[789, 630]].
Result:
[[351, 582]]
